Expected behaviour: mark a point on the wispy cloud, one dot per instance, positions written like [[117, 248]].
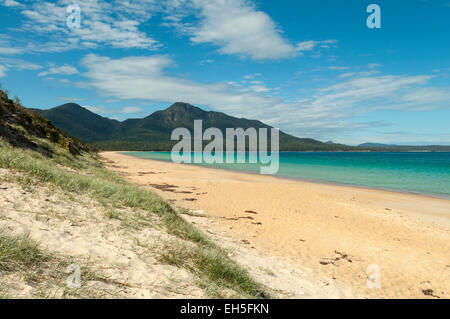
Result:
[[252, 76], [2, 71], [10, 3], [237, 27], [6, 47], [327, 110], [373, 65], [144, 78], [311, 45], [10, 51], [12, 64], [106, 111], [337, 68], [115, 24], [70, 99], [64, 69]]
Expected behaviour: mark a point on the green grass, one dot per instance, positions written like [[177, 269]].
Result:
[[212, 266], [22, 256], [87, 176], [19, 252]]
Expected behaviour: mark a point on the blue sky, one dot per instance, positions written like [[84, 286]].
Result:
[[311, 68]]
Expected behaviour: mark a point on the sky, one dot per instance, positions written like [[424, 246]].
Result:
[[311, 68]]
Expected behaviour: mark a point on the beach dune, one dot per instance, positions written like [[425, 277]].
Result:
[[340, 236]]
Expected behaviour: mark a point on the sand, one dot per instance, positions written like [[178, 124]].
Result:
[[78, 229], [121, 251], [334, 235]]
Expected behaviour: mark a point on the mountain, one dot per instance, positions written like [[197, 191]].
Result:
[[406, 148], [376, 145], [82, 123], [153, 132], [24, 128]]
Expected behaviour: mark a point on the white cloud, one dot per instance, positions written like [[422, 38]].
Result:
[[346, 75], [114, 24], [322, 113], [260, 88], [426, 98], [207, 61], [144, 78], [105, 111], [2, 71], [64, 69], [237, 27], [10, 64], [131, 110], [70, 99], [306, 45], [311, 45], [373, 65], [10, 3], [252, 76], [334, 108], [10, 51], [6, 48], [338, 68]]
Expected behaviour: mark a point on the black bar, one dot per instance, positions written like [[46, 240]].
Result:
[[214, 308]]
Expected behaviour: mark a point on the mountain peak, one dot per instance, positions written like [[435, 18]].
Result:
[[181, 106], [182, 110], [70, 106]]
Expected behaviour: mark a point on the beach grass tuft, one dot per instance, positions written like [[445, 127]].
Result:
[[19, 252]]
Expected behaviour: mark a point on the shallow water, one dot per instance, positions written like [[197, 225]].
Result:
[[417, 172]]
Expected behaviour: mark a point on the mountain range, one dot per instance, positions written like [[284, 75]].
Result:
[[405, 148], [152, 133]]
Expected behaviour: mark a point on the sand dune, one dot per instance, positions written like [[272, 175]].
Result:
[[77, 228], [333, 234]]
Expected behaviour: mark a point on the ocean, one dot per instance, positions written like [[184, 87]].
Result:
[[425, 173]]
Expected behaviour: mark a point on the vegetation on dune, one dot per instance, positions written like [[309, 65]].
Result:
[[22, 257], [19, 252], [48, 159], [18, 122], [205, 259]]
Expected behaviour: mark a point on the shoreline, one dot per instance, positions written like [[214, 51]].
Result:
[[333, 233], [301, 179]]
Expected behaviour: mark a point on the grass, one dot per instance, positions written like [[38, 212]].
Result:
[[19, 252], [45, 272], [211, 266], [85, 174], [112, 214]]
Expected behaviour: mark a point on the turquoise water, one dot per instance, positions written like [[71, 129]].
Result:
[[424, 173]]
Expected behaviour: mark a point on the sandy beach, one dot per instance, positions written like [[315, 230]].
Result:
[[333, 233]]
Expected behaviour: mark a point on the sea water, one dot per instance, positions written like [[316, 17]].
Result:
[[417, 172]]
